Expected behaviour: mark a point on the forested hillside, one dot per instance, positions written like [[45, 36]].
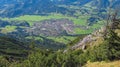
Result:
[[59, 33], [107, 50]]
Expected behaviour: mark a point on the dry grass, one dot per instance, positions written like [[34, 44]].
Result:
[[103, 64], [118, 32]]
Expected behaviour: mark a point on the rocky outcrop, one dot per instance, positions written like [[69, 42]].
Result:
[[98, 36], [88, 41]]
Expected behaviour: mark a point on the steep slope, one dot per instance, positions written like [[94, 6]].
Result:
[[12, 48], [99, 36]]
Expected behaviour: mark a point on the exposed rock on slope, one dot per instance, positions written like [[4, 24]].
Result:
[[98, 36], [88, 40]]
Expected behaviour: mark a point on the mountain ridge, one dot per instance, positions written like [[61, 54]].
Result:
[[40, 7]]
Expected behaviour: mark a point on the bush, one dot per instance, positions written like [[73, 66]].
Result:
[[3, 62]]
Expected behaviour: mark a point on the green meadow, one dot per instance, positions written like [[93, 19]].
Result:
[[8, 29], [34, 18], [62, 39]]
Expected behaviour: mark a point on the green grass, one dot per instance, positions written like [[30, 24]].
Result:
[[98, 25], [81, 31], [79, 21], [62, 39], [34, 18], [8, 29]]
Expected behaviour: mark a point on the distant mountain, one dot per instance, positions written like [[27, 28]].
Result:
[[12, 8], [64, 1], [20, 7], [97, 3]]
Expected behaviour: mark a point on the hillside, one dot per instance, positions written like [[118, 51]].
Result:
[[94, 49], [103, 64], [28, 7], [12, 49], [99, 36], [16, 8], [59, 33]]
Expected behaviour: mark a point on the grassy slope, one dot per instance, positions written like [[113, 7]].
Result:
[[60, 39], [63, 39], [103, 64], [8, 29]]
